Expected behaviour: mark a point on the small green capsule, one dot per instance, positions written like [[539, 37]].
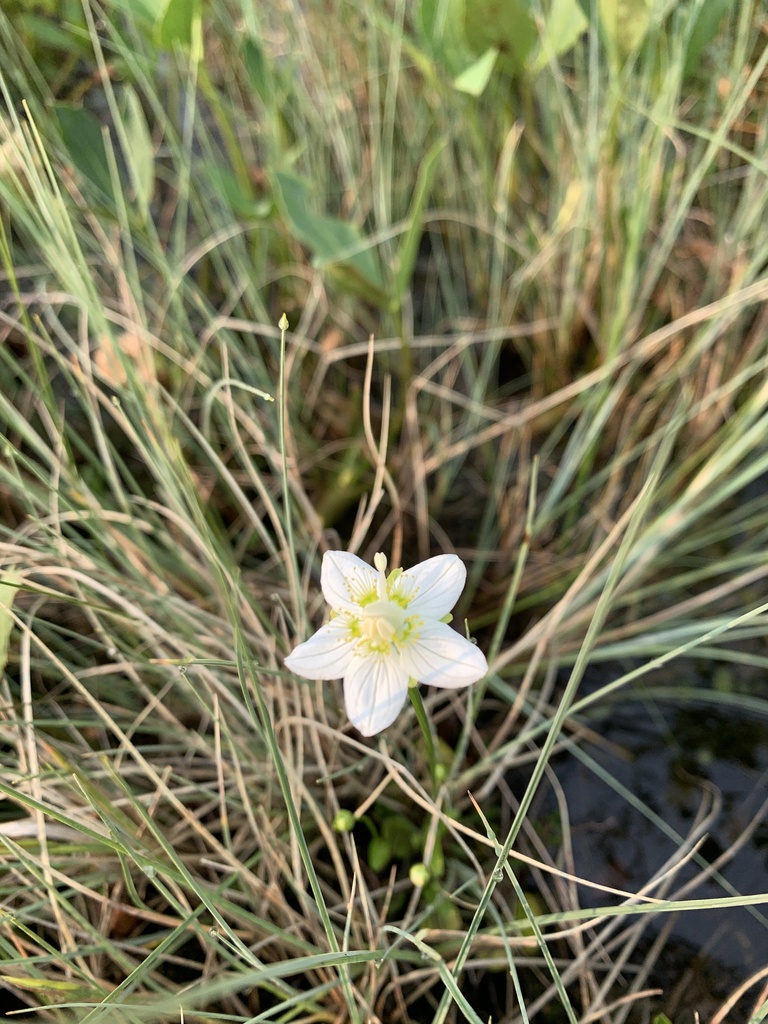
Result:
[[344, 821], [419, 874]]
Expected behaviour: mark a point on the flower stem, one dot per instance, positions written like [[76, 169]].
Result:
[[292, 567], [426, 729]]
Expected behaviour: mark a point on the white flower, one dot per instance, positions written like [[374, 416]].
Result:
[[385, 631]]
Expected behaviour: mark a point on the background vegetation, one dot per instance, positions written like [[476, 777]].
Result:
[[522, 252]]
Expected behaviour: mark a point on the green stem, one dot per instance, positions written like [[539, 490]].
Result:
[[426, 729], [290, 555]]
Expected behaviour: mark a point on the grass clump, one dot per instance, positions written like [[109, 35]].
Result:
[[561, 264]]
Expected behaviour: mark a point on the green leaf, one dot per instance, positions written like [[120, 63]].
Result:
[[143, 12], [426, 18], [52, 34], [625, 24], [410, 245], [9, 586], [81, 132], [141, 155], [332, 241], [398, 833], [442, 29], [475, 78], [258, 69], [564, 23], [708, 19], [178, 24], [228, 187], [42, 984], [505, 24], [379, 854]]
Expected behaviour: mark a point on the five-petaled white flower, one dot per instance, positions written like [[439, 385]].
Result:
[[385, 631]]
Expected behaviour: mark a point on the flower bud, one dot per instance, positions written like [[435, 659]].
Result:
[[419, 874], [344, 821]]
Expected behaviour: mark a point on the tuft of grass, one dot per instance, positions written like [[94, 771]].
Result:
[[564, 281]]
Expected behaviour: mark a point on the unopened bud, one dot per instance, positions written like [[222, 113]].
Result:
[[419, 874], [344, 821]]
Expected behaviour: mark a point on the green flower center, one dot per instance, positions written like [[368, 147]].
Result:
[[384, 624], [382, 620]]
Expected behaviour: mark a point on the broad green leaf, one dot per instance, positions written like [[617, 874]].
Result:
[[564, 23], [258, 68], [81, 133], [176, 25], [428, 12], [145, 12], [442, 29], [241, 202], [505, 24], [9, 585], [708, 19], [410, 244], [475, 78], [332, 240], [141, 155], [379, 854], [54, 34], [625, 24]]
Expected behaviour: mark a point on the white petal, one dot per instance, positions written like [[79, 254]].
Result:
[[345, 579], [439, 656], [375, 688], [433, 587], [325, 655]]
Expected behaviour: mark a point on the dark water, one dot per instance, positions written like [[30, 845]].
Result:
[[676, 754]]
